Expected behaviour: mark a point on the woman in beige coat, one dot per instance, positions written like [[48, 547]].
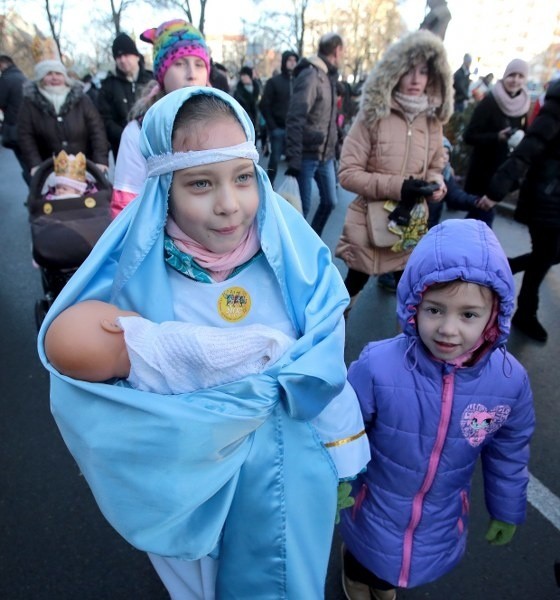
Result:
[[394, 149]]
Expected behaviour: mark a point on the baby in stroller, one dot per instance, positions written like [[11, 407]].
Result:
[[68, 202]]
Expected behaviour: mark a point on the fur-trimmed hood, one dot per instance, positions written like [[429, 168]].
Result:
[[315, 61], [31, 91], [398, 59]]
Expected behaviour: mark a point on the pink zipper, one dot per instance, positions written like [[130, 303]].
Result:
[[435, 456]]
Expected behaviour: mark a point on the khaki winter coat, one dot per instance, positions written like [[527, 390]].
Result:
[[382, 148]]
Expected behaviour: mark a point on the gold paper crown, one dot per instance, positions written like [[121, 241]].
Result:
[[70, 166], [44, 49]]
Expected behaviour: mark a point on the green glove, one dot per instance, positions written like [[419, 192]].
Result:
[[344, 499], [500, 533]]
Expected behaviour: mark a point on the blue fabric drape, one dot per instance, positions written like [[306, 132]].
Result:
[[235, 470]]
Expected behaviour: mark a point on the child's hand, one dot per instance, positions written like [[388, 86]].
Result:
[[485, 203], [439, 194], [500, 533]]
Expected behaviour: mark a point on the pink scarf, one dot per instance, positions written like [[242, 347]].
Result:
[[218, 265], [515, 106]]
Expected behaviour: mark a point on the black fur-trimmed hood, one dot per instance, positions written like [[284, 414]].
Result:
[[31, 91], [420, 45]]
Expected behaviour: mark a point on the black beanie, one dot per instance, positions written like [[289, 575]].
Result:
[[124, 44], [246, 71]]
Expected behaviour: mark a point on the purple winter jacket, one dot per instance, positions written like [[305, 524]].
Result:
[[428, 421]]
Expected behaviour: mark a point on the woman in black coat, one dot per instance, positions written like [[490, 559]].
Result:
[[495, 119], [535, 166], [57, 115]]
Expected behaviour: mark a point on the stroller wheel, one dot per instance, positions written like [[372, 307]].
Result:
[[41, 308]]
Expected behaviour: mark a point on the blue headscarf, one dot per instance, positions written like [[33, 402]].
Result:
[[234, 470]]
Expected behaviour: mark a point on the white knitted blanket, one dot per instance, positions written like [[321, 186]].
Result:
[[176, 357]]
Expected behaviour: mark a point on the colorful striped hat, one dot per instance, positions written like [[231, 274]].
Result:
[[172, 40]]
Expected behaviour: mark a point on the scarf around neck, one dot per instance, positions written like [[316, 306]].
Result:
[[515, 106], [56, 95], [412, 105], [219, 266]]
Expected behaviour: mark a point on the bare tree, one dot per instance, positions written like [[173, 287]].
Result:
[[117, 10], [368, 27], [17, 41], [282, 28], [185, 7], [54, 17]]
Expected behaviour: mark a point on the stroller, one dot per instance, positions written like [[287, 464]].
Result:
[[64, 230]]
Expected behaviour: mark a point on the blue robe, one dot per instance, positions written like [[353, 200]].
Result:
[[236, 470]]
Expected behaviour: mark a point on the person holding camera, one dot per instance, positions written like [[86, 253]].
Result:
[[498, 119]]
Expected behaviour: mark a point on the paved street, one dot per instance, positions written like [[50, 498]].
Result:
[[54, 542]]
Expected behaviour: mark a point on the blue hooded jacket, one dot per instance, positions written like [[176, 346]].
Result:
[[428, 421], [237, 470]]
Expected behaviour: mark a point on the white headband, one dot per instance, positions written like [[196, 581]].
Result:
[[173, 161]]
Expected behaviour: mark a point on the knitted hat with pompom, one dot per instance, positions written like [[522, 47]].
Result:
[[172, 40]]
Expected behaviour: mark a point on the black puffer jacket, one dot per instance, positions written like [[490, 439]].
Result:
[[276, 96], [78, 127], [116, 98], [249, 100], [11, 93], [535, 165], [311, 120]]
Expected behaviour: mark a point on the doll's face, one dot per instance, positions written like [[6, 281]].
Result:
[[185, 72], [415, 80], [215, 204], [451, 320], [66, 190]]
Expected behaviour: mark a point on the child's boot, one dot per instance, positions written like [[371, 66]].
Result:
[[353, 590], [383, 594]]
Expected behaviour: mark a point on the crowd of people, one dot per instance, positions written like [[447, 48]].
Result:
[[206, 265]]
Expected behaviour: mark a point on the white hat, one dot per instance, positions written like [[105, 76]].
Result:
[[48, 66]]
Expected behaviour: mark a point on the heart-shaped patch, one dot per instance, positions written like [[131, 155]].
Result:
[[477, 422]]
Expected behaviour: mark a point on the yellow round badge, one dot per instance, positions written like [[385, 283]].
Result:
[[234, 304], [90, 202], [47, 208]]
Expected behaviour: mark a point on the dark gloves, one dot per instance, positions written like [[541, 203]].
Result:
[[291, 172], [412, 191]]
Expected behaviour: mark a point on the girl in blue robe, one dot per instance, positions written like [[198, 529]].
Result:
[[245, 472]]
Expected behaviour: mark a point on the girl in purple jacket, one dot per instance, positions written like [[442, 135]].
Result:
[[434, 399]]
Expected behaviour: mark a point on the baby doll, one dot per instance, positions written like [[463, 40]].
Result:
[[69, 175], [97, 341]]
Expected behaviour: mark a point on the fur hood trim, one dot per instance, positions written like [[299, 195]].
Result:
[[31, 91], [414, 47], [315, 61]]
